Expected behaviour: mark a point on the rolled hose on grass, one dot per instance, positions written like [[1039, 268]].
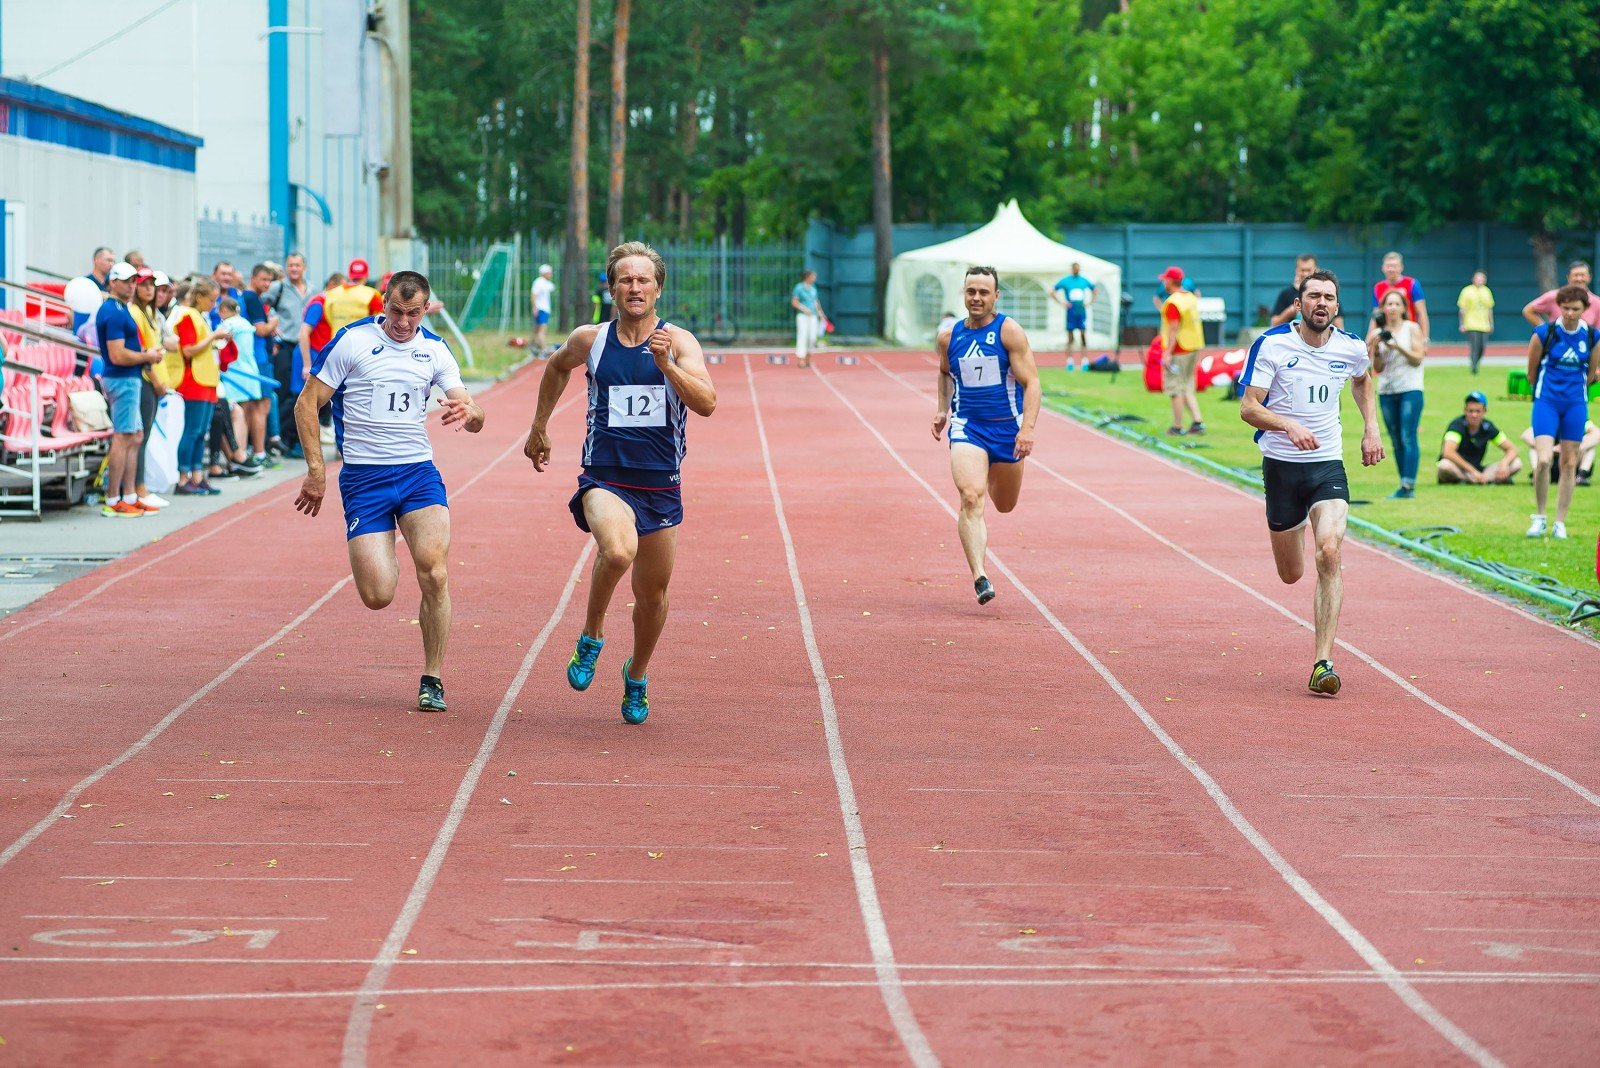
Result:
[[1580, 607]]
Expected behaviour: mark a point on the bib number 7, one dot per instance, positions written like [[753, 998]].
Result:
[[980, 370]]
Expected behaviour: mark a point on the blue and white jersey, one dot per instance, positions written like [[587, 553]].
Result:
[[1304, 384], [1564, 371], [381, 389], [636, 419], [981, 367]]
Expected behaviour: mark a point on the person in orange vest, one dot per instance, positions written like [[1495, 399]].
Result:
[[352, 301], [1181, 340]]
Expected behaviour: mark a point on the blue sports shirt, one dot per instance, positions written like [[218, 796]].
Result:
[[981, 367]]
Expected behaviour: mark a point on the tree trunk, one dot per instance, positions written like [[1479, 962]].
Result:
[[1544, 258], [689, 116], [882, 181], [575, 259], [619, 122]]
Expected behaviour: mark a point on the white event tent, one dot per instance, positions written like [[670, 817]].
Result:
[[926, 283]]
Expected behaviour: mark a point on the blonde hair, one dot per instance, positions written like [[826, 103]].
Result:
[[635, 248]]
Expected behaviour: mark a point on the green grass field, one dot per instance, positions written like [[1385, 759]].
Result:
[[1491, 519]]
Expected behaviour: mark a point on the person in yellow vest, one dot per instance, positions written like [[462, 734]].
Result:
[[1181, 341], [191, 367], [352, 301]]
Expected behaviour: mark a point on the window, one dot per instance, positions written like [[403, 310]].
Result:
[[1027, 302], [928, 300]]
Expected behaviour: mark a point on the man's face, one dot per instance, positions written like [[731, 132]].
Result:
[[102, 262], [1077, 268], [1302, 270], [980, 295], [635, 289], [1394, 267], [260, 281], [1319, 303], [402, 317], [223, 276], [1473, 413], [1577, 276], [295, 268], [122, 290], [1571, 312], [1480, 279]]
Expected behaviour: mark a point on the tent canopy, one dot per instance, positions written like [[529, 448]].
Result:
[[926, 283]]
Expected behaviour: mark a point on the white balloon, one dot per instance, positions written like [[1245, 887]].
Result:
[[83, 296]]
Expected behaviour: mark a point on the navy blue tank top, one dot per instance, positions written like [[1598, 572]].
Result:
[[636, 419]]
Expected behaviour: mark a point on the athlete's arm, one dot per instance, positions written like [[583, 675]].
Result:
[[1535, 354], [1466, 470], [572, 354], [1594, 361], [680, 360], [1366, 395], [1530, 312], [1253, 410], [946, 384], [315, 394], [461, 411], [1024, 370], [1419, 347], [1055, 295]]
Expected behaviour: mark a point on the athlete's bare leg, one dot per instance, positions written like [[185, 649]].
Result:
[[652, 571], [1569, 479], [611, 522], [1327, 535], [1544, 447], [1005, 485], [969, 466], [374, 567], [427, 533], [1289, 553]]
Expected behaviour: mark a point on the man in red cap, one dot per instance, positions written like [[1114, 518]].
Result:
[[1181, 341], [354, 300]]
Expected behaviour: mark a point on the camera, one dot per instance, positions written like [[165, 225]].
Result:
[[1378, 320]]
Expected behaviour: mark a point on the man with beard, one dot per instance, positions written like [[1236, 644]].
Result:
[[1293, 381]]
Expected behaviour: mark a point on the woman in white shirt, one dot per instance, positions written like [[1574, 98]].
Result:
[[1398, 348]]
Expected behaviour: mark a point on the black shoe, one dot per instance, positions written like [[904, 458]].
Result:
[[1197, 428], [430, 695], [1584, 476], [230, 473], [984, 589], [1324, 679], [248, 469], [276, 448], [1174, 431]]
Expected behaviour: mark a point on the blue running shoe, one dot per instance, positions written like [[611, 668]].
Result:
[[580, 669], [635, 705]]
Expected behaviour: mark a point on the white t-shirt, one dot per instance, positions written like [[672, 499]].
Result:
[[1400, 375], [542, 288], [1304, 384], [381, 390]]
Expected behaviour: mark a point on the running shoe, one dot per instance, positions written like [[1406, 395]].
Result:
[[190, 489], [1197, 427], [1537, 528], [635, 705], [1404, 493], [1175, 431], [122, 510], [1558, 530], [211, 491], [580, 669], [153, 500], [430, 694], [1323, 678], [984, 589]]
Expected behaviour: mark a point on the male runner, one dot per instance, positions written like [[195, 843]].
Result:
[[1293, 380], [989, 396], [644, 378], [379, 373]]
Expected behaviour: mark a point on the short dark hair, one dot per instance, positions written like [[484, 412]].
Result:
[[221, 263], [1573, 295], [403, 285], [1306, 257], [261, 268], [990, 271], [1575, 264], [1321, 274], [102, 248]]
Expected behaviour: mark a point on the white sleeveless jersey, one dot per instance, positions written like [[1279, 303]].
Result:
[[1304, 384], [381, 390]]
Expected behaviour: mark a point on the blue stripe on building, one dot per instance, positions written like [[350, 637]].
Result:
[[39, 114]]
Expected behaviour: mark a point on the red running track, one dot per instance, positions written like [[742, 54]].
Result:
[[867, 821]]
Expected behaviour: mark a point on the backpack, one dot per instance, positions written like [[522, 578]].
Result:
[[1584, 329]]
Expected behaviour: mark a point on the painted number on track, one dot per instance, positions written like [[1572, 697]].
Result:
[[591, 940], [94, 938], [1200, 946]]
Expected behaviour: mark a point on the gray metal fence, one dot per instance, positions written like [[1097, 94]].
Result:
[[242, 244], [714, 288]]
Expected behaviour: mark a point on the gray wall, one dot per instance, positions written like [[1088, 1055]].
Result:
[[1244, 264]]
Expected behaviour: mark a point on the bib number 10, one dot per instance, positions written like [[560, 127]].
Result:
[[1317, 394]]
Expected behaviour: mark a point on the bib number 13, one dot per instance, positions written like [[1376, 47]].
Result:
[[398, 402]]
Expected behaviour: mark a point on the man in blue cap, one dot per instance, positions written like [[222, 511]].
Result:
[[1466, 444]]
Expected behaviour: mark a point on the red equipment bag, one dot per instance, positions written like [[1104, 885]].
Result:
[[1152, 365]]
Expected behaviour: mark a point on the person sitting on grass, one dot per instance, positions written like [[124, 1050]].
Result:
[[1466, 443], [1586, 450]]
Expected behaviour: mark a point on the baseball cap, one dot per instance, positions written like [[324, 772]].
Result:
[[1476, 397], [358, 270], [121, 272], [1172, 274], [162, 279], [545, 268], [143, 274]]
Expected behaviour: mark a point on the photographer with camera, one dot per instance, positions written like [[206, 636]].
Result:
[[1397, 348]]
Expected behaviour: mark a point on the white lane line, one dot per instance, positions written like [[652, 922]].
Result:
[[978, 982], [1109, 886], [299, 782], [1405, 797], [359, 1026], [1407, 993], [1207, 924], [308, 845], [660, 848], [64, 806], [1461, 721], [1502, 893], [1065, 852], [888, 973], [1029, 790], [87, 916], [623, 919], [209, 878], [665, 785], [1520, 930], [658, 882], [1457, 856]]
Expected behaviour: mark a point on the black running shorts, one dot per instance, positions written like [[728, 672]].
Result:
[[1292, 488]]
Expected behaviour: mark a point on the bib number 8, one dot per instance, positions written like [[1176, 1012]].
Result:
[[637, 406]]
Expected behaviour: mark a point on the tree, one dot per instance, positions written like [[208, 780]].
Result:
[[575, 260], [619, 122]]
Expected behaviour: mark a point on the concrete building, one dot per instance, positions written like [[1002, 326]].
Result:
[[277, 101]]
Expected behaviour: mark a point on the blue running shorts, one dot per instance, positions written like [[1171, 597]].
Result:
[[1077, 317], [1561, 418], [375, 494], [653, 509], [998, 439]]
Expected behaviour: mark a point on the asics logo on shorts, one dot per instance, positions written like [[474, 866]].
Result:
[[354, 521]]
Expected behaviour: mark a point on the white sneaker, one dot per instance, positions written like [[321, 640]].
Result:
[[1559, 530], [1536, 529], [152, 500]]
